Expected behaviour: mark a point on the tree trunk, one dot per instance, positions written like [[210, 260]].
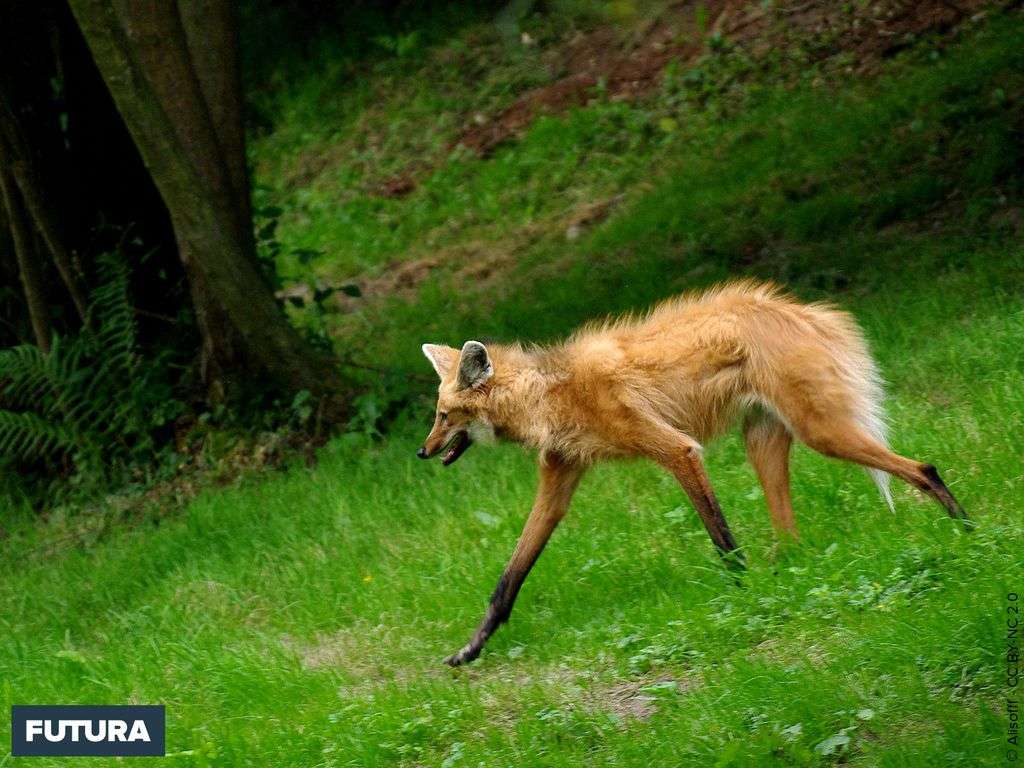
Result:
[[211, 30], [141, 49], [17, 158], [210, 33], [28, 264], [45, 219]]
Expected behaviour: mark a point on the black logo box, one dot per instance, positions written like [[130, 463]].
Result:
[[153, 716]]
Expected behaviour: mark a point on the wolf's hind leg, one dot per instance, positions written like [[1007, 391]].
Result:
[[558, 481], [680, 455], [768, 443], [847, 440]]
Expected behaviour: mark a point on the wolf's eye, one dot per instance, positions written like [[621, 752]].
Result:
[[444, 416]]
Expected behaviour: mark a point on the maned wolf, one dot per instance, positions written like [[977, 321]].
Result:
[[661, 385]]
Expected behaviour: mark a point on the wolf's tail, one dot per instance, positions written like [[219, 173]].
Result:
[[816, 371], [873, 422], [858, 371]]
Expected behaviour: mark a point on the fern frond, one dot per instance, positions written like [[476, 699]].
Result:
[[112, 316], [24, 381], [84, 396], [27, 436]]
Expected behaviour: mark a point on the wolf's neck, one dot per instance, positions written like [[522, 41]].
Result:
[[525, 400]]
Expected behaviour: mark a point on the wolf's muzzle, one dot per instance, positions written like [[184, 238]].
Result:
[[456, 447]]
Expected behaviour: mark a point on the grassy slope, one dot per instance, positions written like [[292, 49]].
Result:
[[301, 620], [812, 184]]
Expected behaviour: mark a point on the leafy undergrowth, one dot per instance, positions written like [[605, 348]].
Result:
[[301, 619]]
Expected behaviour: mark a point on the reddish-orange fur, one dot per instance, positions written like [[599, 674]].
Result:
[[661, 385]]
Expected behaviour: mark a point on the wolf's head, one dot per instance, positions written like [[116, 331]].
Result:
[[461, 399]]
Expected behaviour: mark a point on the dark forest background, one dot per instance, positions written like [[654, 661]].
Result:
[[134, 305]]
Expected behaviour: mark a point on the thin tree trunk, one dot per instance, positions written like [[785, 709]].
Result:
[[17, 158], [45, 219], [28, 264], [140, 47]]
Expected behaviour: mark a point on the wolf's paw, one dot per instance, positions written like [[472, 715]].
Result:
[[464, 656], [734, 561]]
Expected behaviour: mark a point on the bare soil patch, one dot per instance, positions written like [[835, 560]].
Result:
[[636, 699], [868, 32], [856, 37]]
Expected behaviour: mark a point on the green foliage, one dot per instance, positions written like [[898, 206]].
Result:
[[25, 436], [90, 401], [401, 45]]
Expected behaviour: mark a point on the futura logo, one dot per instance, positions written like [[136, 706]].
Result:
[[82, 731], [86, 730]]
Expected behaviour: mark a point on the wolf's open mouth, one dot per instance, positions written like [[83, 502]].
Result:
[[456, 447]]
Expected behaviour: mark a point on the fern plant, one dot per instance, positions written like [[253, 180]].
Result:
[[90, 400]]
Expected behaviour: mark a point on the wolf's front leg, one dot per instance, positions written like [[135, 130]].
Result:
[[558, 481], [680, 455]]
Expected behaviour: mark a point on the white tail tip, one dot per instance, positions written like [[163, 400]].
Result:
[[882, 481]]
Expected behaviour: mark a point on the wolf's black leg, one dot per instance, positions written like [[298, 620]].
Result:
[[688, 469], [934, 486]]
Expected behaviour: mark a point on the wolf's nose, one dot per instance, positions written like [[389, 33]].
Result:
[[422, 453]]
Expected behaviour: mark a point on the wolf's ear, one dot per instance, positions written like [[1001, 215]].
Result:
[[474, 365], [441, 357]]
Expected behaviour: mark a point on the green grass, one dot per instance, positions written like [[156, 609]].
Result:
[[344, 129], [300, 619]]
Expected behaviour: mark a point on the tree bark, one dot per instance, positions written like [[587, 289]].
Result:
[[142, 52], [211, 30], [16, 156], [28, 264], [211, 36], [45, 219], [159, 45]]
